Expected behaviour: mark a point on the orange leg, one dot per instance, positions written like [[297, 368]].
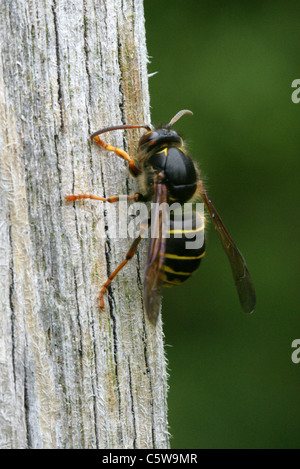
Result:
[[112, 199], [120, 153], [133, 248], [129, 256]]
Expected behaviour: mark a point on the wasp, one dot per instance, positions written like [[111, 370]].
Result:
[[165, 174]]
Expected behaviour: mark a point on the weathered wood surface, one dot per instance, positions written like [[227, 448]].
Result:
[[70, 376]]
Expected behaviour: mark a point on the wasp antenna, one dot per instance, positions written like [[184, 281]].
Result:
[[119, 127], [178, 115]]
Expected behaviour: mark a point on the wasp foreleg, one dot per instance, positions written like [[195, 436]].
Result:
[[118, 152]]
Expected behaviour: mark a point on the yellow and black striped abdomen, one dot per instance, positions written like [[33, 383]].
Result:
[[185, 247]]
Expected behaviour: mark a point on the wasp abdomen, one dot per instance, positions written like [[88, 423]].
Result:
[[185, 247]]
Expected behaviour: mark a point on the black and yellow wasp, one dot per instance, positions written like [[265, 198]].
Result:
[[166, 174]]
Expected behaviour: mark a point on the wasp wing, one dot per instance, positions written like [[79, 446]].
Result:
[[242, 278], [156, 252]]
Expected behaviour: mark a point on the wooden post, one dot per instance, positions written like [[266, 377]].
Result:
[[70, 375]]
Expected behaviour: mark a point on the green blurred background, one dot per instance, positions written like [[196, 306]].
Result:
[[232, 381]]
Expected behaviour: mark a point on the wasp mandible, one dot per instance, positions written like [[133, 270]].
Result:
[[166, 174]]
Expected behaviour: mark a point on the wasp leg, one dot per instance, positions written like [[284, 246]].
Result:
[[120, 153], [128, 257], [112, 199]]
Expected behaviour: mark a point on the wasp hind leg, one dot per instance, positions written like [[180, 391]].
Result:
[[128, 257]]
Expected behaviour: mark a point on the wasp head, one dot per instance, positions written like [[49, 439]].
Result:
[[159, 138]]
